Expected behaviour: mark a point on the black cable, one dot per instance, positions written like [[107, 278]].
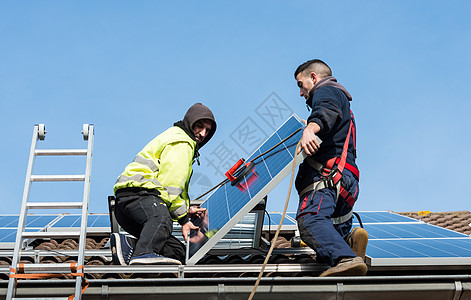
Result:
[[269, 223], [256, 157], [359, 219]]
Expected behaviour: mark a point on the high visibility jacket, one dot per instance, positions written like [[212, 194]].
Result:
[[165, 164]]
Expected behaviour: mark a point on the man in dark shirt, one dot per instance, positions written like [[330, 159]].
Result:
[[327, 181]]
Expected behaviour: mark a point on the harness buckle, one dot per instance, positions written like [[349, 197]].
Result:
[[329, 183], [329, 175]]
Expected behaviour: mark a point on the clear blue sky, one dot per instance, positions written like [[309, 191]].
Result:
[[133, 68]]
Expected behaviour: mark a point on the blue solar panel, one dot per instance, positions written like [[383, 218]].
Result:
[[9, 221], [228, 204], [409, 231], [425, 248], [74, 221], [275, 218], [8, 235], [396, 240], [292, 216], [381, 217], [98, 221], [68, 221], [37, 221]]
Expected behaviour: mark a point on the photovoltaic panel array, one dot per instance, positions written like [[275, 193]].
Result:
[[396, 240], [273, 219], [96, 223], [49, 222], [9, 224], [230, 203], [381, 217]]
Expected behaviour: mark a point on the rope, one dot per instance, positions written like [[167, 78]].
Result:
[[279, 225]]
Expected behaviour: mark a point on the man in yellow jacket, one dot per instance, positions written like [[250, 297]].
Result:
[[152, 192]]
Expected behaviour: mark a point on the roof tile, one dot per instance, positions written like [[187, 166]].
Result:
[[459, 221]]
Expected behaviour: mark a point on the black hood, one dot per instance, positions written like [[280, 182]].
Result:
[[195, 113], [329, 80]]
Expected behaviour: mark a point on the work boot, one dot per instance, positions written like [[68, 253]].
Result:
[[352, 266], [121, 248], [357, 239]]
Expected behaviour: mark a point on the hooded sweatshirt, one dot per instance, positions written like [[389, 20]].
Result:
[[164, 166], [330, 109], [195, 113]]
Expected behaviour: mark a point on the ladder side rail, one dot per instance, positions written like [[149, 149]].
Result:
[[83, 227], [22, 218]]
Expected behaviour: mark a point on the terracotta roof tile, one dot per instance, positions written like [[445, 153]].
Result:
[[459, 221]]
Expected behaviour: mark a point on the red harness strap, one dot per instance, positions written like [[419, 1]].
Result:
[[334, 167]]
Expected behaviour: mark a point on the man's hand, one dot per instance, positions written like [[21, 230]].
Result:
[[186, 229], [197, 211], [309, 142]]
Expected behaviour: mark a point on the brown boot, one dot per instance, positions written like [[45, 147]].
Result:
[[358, 240], [352, 266]]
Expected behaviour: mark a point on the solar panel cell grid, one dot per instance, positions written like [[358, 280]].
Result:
[[275, 219], [381, 217], [424, 248], [68, 221], [228, 200], [409, 231]]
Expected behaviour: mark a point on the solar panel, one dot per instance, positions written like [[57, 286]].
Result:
[[381, 217], [99, 223], [72, 221], [396, 240], [229, 204], [8, 236], [272, 223], [9, 221], [409, 231], [37, 221], [405, 252]]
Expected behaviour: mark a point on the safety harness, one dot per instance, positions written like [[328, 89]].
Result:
[[332, 171]]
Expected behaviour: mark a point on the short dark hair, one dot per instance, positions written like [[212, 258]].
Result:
[[314, 65]]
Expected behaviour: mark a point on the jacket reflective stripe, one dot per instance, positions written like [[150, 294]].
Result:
[[146, 162], [137, 178], [164, 164], [179, 211], [175, 191]]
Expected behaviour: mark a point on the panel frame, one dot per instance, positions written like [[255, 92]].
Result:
[[407, 262]]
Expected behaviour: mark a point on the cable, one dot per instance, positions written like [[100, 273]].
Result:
[[279, 225], [359, 219], [256, 157], [269, 222]]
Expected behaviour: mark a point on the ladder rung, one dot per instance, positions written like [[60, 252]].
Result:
[[54, 205], [41, 298], [50, 234], [47, 152], [53, 298], [47, 268], [57, 178]]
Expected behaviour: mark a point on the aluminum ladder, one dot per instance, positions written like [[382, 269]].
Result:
[[22, 235]]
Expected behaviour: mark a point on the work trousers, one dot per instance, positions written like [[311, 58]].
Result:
[[315, 210], [147, 218]]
